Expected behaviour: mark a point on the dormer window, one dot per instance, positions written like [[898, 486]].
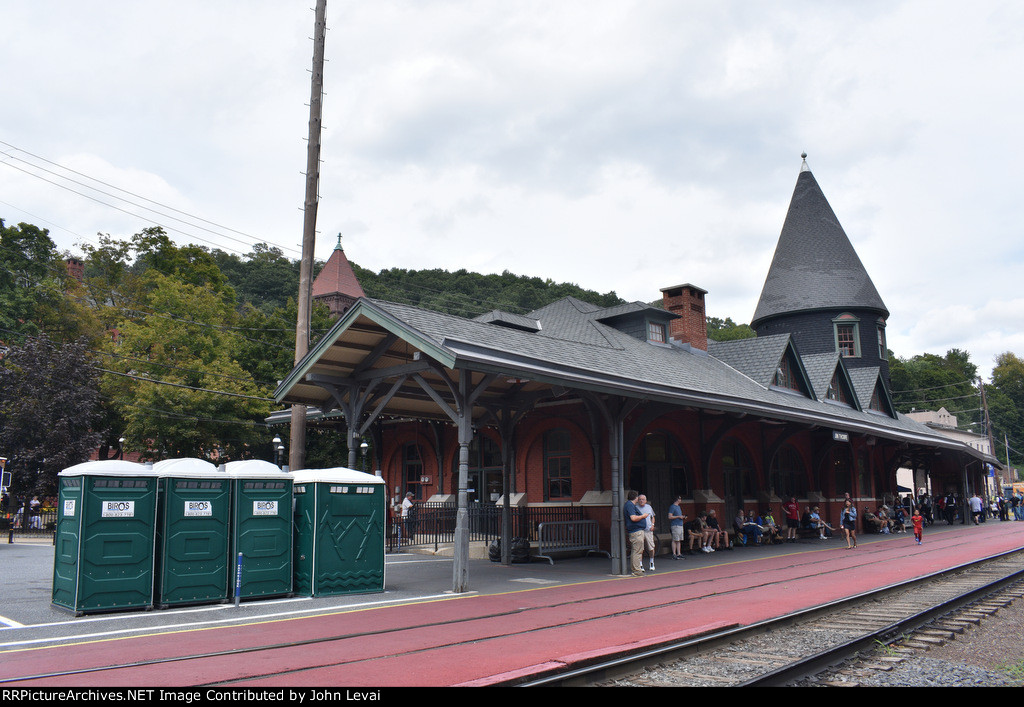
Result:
[[656, 332], [784, 376], [876, 401], [835, 390], [847, 334]]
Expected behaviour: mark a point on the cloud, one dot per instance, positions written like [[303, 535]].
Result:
[[622, 146]]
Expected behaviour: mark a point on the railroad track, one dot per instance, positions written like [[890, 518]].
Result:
[[827, 645], [772, 652]]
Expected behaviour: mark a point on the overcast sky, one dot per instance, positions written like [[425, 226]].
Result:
[[623, 146]]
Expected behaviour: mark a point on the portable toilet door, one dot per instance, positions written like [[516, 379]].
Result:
[[340, 525], [105, 537], [261, 529], [193, 531]]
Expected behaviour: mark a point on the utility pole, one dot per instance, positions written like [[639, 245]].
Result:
[[297, 453]]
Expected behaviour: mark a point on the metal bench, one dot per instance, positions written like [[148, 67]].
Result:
[[567, 536]]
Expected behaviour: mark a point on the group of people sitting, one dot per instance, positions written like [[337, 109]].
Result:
[[886, 520], [753, 529]]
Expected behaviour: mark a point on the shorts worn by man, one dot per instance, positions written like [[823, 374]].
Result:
[[636, 524]]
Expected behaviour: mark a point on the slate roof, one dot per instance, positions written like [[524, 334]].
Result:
[[574, 349], [815, 266], [757, 358]]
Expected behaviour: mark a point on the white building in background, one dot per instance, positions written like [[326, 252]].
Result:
[[945, 423]]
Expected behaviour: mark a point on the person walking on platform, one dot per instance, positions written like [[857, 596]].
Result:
[[636, 524], [918, 522], [849, 523], [977, 508]]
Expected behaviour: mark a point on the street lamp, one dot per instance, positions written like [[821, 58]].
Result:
[[363, 446], [120, 447], [278, 448]]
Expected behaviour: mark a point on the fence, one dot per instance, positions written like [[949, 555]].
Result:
[[568, 536], [434, 523], [23, 524]]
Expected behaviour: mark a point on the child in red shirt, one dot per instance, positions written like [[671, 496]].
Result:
[[918, 520]]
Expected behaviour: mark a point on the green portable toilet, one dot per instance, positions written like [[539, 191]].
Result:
[[340, 522], [105, 537], [193, 531], [261, 529]]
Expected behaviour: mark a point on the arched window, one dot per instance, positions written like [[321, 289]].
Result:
[[557, 465], [738, 469], [660, 463], [788, 475], [484, 470], [863, 475], [412, 470], [840, 468]]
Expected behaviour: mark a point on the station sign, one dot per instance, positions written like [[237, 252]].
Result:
[[840, 436]]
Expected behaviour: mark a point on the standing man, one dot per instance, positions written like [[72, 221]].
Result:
[[650, 543], [636, 524], [677, 523], [406, 508], [792, 511]]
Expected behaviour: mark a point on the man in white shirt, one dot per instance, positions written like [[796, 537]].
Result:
[[976, 508], [649, 542]]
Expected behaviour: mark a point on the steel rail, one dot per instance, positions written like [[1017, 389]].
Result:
[[810, 665]]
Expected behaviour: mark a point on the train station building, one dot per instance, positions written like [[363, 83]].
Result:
[[573, 404]]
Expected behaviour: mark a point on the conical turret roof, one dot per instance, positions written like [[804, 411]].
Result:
[[815, 266]]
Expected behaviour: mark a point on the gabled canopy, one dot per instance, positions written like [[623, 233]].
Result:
[[383, 358]]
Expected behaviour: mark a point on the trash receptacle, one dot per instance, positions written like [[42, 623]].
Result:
[[340, 523], [105, 537], [193, 531], [261, 528]]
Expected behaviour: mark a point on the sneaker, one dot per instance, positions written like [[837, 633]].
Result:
[[652, 565]]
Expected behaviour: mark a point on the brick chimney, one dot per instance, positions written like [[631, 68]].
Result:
[[75, 268], [692, 326]]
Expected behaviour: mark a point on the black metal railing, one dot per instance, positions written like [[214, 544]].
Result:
[[23, 524], [434, 523]]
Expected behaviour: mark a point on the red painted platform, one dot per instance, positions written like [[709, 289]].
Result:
[[489, 639]]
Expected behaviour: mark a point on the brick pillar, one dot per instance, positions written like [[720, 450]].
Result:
[[692, 326]]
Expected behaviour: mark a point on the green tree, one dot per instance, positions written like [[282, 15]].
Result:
[[928, 382], [728, 330], [174, 379], [49, 405], [29, 279], [1005, 399]]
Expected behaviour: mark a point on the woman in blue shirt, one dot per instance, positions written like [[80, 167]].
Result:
[[850, 524]]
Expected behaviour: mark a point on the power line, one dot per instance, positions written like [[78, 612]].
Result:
[[182, 385], [136, 204]]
